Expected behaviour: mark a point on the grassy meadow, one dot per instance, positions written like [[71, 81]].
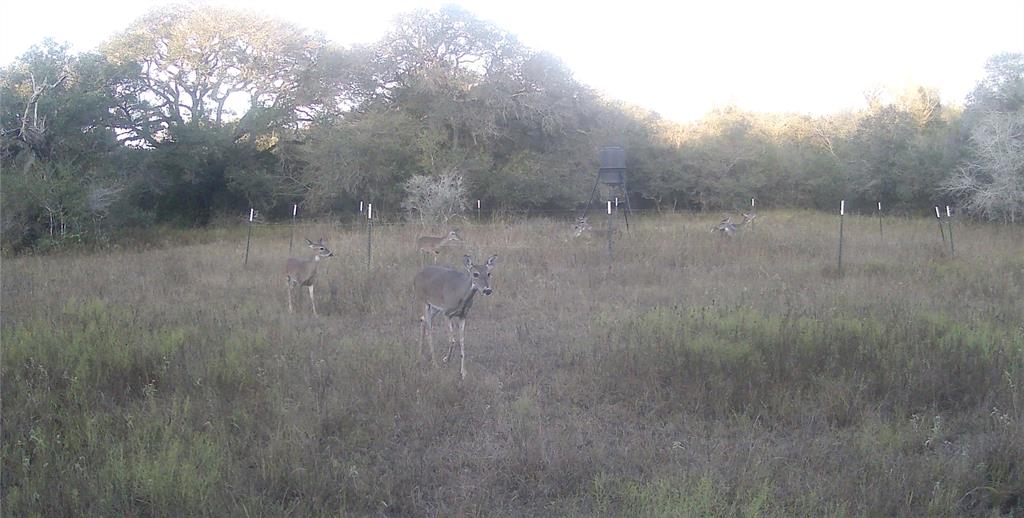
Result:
[[698, 377]]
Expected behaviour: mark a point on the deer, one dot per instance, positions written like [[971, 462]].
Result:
[[447, 290], [727, 228], [433, 245], [302, 272]]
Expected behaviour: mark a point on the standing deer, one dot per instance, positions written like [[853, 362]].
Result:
[[302, 272], [451, 291], [433, 245], [727, 228]]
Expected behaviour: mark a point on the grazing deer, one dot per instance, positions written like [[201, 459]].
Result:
[[433, 245], [302, 272], [727, 228], [451, 291]]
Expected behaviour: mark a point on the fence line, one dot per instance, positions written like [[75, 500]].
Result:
[[360, 225], [552, 242], [383, 218], [398, 218]]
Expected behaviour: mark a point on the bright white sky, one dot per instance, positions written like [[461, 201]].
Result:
[[680, 59]]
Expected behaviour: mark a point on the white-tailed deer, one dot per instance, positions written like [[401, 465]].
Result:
[[433, 245], [441, 289], [727, 228], [302, 272]]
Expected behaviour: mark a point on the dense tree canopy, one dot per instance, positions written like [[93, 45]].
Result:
[[990, 177], [192, 112], [205, 68]]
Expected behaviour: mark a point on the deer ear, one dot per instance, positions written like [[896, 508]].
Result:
[[467, 261], [491, 261]]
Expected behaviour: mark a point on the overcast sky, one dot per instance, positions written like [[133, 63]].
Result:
[[680, 59]]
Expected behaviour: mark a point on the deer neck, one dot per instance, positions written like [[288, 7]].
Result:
[[461, 309], [312, 267]]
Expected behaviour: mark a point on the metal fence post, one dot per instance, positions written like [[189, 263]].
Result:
[[609, 235], [291, 238], [880, 234], [949, 223], [369, 234], [248, 238], [842, 212]]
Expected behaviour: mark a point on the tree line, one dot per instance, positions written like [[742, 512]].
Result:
[[197, 113]]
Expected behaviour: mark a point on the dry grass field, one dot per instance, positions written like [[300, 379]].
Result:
[[697, 377]]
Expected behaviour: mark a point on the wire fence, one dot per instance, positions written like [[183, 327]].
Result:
[[402, 218], [388, 229], [405, 218], [382, 229]]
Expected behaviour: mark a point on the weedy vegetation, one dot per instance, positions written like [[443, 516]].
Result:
[[697, 377]]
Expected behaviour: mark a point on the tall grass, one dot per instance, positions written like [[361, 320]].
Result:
[[696, 377]]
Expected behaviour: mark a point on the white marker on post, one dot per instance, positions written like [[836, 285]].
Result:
[[937, 215], [295, 209], [360, 206], [842, 207], [609, 207], [369, 211], [251, 212], [947, 211], [751, 202], [879, 206], [478, 204]]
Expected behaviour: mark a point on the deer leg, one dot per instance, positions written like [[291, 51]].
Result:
[[290, 308], [430, 334], [423, 332], [425, 335], [462, 347], [311, 299], [451, 340]]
